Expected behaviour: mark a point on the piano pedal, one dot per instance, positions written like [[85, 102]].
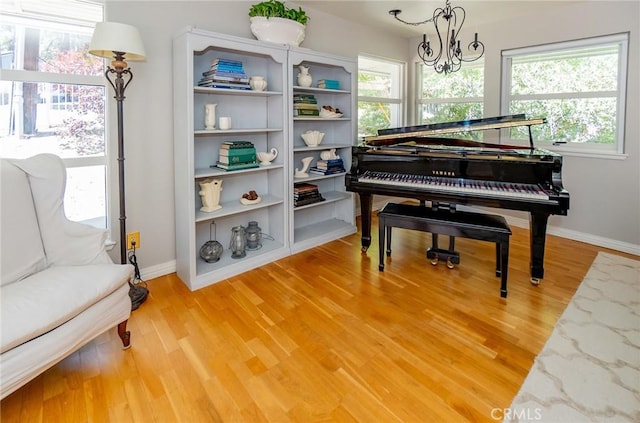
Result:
[[436, 254]]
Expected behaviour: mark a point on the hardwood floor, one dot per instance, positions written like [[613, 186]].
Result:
[[322, 336]]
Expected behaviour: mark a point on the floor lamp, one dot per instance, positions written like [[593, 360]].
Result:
[[119, 41]]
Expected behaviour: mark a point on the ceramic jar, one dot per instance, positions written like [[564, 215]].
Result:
[[304, 77], [258, 83]]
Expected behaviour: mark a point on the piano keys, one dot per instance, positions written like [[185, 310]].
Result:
[[412, 163]]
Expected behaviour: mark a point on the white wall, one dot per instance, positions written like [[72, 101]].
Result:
[[148, 107], [605, 194]]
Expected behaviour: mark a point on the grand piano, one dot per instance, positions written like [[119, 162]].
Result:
[[420, 162]]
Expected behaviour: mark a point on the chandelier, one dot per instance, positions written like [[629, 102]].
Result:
[[446, 55]]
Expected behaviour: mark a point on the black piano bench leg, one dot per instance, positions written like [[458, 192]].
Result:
[[382, 231], [389, 241]]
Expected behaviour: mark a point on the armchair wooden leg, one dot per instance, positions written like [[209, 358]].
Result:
[[124, 334]]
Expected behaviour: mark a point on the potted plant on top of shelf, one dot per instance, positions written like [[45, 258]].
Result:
[[272, 21]]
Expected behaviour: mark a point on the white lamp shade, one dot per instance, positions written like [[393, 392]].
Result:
[[113, 36]]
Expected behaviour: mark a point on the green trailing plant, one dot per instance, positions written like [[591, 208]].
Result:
[[277, 9]]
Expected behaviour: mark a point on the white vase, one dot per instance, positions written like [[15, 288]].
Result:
[[302, 173], [304, 77], [210, 116], [210, 194], [258, 83]]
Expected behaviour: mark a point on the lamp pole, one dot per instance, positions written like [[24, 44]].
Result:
[[118, 68]]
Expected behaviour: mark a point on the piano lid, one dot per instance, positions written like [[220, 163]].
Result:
[[423, 134]]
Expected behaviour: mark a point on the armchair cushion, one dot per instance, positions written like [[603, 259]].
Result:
[[53, 296]]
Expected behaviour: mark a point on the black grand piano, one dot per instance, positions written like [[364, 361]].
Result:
[[419, 162]]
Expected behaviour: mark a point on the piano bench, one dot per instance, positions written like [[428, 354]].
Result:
[[479, 226]]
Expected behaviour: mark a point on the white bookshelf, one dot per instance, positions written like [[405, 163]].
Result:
[[266, 119]]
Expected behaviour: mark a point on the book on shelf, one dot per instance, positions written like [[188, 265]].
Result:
[[308, 201], [316, 171], [311, 99], [304, 187], [229, 86], [306, 113], [236, 144], [237, 79], [237, 151], [324, 164], [329, 84], [236, 166], [239, 158], [305, 106], [307, 197]]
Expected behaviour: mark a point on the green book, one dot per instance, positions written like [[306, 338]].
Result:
[[237, 166], [236, 144], [237, 151], [240, 158]]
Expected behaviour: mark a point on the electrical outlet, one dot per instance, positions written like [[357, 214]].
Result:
[[131, 238]]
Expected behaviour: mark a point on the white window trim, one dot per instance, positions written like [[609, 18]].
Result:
[[402, 87], [621, 93]]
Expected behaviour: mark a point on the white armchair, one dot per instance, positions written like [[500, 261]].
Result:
[[59, 287]]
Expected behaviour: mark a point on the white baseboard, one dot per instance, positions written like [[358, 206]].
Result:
[[170, 266], [158, 270], [600, 241]]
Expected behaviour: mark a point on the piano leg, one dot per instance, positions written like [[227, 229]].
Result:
[[365, 219], [537, 235]]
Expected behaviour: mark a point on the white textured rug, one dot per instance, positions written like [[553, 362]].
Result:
[[589, 369]]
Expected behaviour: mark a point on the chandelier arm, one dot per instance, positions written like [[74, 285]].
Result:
[[474, 44], [449, 56]]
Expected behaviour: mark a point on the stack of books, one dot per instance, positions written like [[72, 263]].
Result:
[[225, 73], [236, 155], [305, 105], [305, 193], [328, 167], [331, 84]]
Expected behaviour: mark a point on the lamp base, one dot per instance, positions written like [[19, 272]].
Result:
[[138, 295]]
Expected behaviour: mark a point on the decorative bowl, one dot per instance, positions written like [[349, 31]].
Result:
[[277, 30], [326, 114], [312, 138]]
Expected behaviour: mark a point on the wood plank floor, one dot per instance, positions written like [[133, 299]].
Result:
[[322, 336]]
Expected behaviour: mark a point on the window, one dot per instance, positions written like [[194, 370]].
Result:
[[452, 97], [52, 95], [579, 86], [380, 92]]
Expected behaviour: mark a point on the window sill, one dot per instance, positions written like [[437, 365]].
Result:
[[109, 244], [591, 154]]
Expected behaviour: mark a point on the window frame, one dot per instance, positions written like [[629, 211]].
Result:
[[43, 21], [400, 101], [587, 149], [420, 68]]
